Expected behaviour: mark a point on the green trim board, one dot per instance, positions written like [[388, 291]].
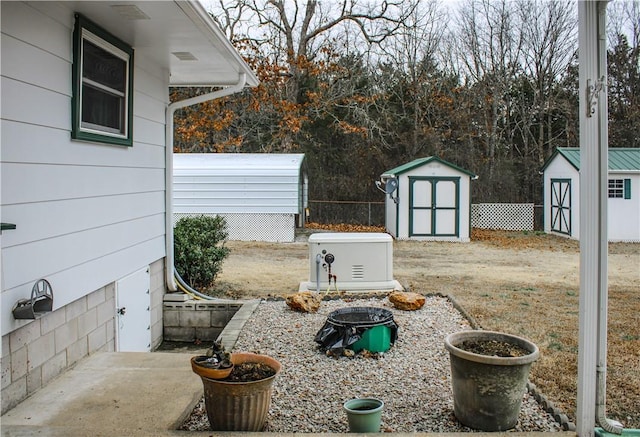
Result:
[[422, 161], [619, 159], [102, 82], [397, 211], [469, 218], [627, 189]]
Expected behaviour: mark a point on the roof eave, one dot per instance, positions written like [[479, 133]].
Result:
[[201, 18]]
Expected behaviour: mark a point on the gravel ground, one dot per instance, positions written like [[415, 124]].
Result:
[[412, 377]]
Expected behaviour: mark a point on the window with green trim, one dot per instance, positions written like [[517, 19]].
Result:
[[619, 189], [102, 104]]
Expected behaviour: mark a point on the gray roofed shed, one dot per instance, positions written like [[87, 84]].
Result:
[[262, 196]]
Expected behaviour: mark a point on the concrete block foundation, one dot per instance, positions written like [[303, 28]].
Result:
[[192, 320]]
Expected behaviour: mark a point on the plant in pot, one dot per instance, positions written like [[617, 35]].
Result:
[[216, 364], [240, 401], [489, 373]]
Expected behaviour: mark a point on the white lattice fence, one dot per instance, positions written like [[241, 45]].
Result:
[[255, 227], [507, 216]]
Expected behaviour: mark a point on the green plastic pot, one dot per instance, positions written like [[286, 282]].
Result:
[[364, 414]]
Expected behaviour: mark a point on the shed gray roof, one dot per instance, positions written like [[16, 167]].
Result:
[[620, 159]]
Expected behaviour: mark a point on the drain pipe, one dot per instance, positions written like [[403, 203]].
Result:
[[609, 425], [169, 115]]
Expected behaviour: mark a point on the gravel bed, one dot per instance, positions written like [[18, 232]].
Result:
[[412, 377]]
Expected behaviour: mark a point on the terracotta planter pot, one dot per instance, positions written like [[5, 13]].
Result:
[[240, 406], [488, 390], [209, 372]]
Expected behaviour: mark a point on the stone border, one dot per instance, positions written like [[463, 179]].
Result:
[[231, 331]]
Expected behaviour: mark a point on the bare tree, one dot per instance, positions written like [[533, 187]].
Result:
[[301, 34], [550, 40], [624, 19], [233, 18], [490, 49], [412, 51]]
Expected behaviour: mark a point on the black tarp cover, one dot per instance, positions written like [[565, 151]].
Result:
[[345, 326]]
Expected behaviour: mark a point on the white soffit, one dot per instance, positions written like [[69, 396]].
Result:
[[178, 35]]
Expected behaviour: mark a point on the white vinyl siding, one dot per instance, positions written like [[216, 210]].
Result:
[[623, 218], [19, 100], [40, 140], [39, 29], [260, 195], [28, 69], [86, 214]]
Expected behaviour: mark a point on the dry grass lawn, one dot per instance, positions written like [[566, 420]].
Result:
[[521, 283]]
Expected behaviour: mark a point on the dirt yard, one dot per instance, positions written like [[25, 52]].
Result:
[[521, 283]]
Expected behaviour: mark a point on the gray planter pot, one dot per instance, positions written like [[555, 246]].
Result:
[[488, 390]]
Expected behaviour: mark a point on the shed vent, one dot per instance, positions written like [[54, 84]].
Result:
[[185, 56]]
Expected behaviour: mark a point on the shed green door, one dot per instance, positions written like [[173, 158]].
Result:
[[434, 207]]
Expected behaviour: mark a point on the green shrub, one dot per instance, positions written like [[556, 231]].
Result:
[[199, 249]]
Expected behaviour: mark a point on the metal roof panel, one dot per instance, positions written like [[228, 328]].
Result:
[[620, 159], [240, 162]]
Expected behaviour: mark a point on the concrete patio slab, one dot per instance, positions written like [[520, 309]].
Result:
[[111, 393]]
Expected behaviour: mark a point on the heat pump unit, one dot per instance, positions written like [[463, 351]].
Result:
[[351, 261]]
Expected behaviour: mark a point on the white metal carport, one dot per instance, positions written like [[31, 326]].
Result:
[[261, 196]]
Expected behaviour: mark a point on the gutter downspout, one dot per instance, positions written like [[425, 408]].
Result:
[[169, 115]]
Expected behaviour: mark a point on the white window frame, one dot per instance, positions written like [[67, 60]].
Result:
[[615, 188]]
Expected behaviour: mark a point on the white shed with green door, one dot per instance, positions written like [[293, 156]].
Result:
[[428, 199], [562, 193]]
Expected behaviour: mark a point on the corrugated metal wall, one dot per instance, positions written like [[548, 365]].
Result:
[[270, 189]]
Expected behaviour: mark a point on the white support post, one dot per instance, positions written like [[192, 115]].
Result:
[[593, 208]]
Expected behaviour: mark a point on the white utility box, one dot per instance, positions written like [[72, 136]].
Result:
[[355, 261]]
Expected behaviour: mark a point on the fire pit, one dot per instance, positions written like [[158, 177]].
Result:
[[358, 328]]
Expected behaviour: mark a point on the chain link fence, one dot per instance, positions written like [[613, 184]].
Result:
[[348, 212]]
